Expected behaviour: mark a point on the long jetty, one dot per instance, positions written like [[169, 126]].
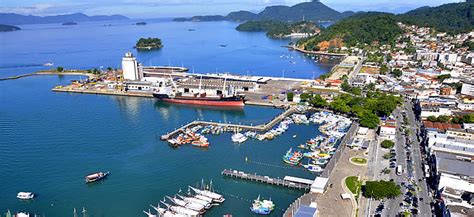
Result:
[[265, 179], [232, 127]]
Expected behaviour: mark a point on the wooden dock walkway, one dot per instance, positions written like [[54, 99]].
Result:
[[232, 127], [264, 179]]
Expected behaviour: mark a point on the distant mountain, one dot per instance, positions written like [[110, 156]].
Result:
[[17, 19], [454, 17], [8, 28], [311, 11]]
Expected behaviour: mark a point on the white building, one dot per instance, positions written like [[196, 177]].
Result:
[[388, 130], [130, 67], [467, 89]]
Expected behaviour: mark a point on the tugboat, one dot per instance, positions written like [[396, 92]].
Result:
[[94, 177], [262, 207]]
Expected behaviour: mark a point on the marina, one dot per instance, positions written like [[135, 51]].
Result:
[[122, 126]]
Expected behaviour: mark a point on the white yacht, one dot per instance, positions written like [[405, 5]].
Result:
[[239, 138], [25, 195]]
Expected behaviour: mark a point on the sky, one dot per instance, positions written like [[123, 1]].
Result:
[[178, 8]]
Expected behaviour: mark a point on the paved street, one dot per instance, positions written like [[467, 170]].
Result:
[[410, 159]]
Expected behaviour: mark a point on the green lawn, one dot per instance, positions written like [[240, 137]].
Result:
[[353, 184], [359, 160]]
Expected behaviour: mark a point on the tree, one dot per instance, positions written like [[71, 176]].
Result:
[[369, 120], [60, 69], [387, 144], [289, 96], [383, 69], [441, 78], [339, 105], [397, 73], [109, 69], [345, 86], [381, 189], [318, 102], [432, 118], [443, 118], [305, 97]]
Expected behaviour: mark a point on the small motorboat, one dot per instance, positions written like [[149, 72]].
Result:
[[48, 64], [239, 138], [25, 195], [94, 177]]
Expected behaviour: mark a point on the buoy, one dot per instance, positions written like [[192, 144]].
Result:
[[246, 159]]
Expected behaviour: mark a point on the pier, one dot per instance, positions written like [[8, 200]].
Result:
[[232, 127], [303, 184]]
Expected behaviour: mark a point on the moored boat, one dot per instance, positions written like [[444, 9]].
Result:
[[214, 196], [262, 207], [239, 138]]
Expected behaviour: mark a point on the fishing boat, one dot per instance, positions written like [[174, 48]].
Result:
[[202, 142], [25, 195], [214, 196], [262, 207], [320, 162], [239, 138], [292, 158], [94, 177]]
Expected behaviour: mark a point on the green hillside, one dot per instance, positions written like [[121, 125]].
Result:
[[360, 29], [454, 17]]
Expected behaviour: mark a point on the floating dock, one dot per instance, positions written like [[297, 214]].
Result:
[[232, 127], [288, 181]]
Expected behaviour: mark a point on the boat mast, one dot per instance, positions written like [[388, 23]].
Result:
[[84, 212], [200, 84], [223, 88]]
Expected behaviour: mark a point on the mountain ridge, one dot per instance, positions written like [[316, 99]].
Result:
[[18, 19], [312, 11]]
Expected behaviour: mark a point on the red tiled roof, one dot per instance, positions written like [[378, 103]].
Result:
[[441, 126]]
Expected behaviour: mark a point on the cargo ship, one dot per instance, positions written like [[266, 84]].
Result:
[[171, 94]]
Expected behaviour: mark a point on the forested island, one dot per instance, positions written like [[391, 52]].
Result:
[[69, 23], [148, 44], [8, 28], [277, 29]]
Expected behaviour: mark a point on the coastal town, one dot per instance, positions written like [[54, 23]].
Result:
[[391, 125]]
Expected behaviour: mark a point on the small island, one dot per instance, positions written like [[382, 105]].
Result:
[[8, 28], [141, 23], [69, 23], [148, 44]]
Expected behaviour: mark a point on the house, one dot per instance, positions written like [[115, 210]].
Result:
[[388, 130]]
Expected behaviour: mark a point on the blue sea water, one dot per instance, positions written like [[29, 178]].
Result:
[[49, 141]]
